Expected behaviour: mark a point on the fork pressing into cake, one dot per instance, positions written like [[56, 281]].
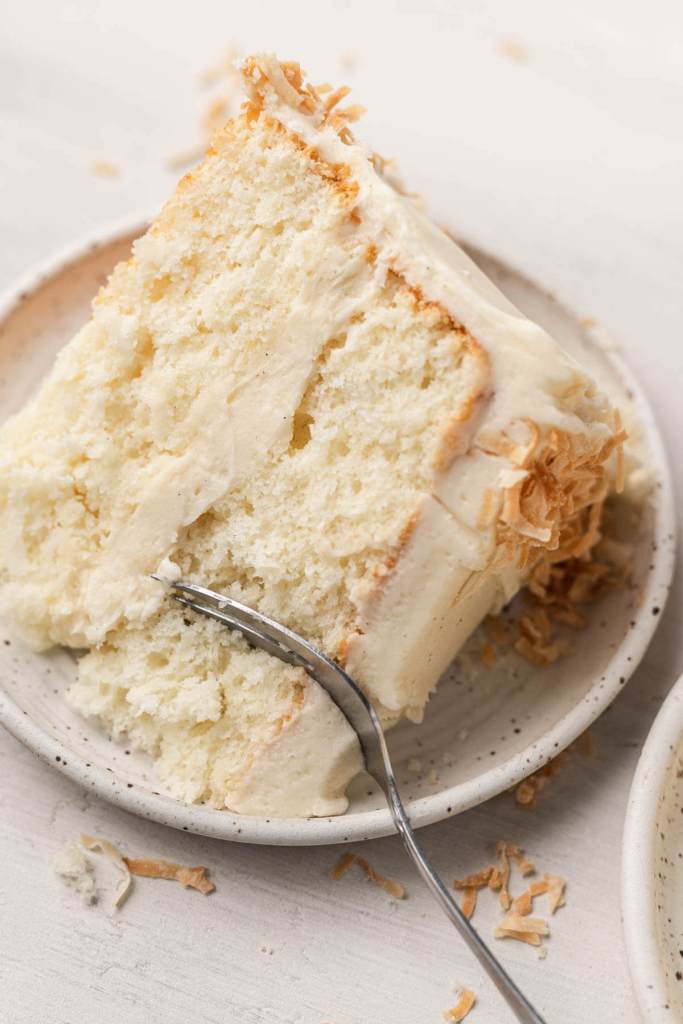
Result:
[[283, 643]]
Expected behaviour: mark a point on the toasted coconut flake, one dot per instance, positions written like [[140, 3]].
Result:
[[517, 924], [109, 850], [352, 113], [192, 878], [287, 79], [522, 928], [390, 886], [555, 888], [335, 97], [466, 1000], [479, 880], [503, 854], [468, 903], [565, 475], [526, 866], [342, 866], [564, 581], [496, 880], [523, 904], [530, 938]]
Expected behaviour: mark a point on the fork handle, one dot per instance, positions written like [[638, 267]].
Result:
[[520, 1006]]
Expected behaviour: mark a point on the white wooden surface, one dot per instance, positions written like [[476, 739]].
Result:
[[567, 162]]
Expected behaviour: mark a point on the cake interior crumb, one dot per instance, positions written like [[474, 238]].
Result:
[[76, 871]]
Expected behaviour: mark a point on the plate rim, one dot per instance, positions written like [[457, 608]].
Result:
[[357, 827], [638, 857]]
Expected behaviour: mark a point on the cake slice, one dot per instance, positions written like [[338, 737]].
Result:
[[299, 392]]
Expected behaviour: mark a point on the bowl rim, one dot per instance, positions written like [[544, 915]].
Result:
[[358, 826], [638, 854]]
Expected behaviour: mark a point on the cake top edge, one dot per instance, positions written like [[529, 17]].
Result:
[[264, 72]]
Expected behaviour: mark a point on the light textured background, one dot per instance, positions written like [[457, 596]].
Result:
[[568, 163]]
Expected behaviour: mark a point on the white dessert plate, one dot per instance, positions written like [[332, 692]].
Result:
[[480, 735], [652, 868]]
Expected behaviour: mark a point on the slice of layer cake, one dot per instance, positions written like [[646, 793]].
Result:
[[299, 392]]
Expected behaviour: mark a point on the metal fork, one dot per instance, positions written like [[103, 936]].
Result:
[[288, 646]]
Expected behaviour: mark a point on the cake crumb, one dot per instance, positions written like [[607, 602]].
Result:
[[466, 1000], [104, 169], [146, 867], [109, 850], [433, 777], [76, 871], [414, 765], [390, 886]]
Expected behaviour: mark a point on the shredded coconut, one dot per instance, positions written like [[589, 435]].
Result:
[[517, 923], [192, 878], [147, 867], [466, 1000], [394, 889]]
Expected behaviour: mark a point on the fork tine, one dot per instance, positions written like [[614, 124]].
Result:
[[240, 613], [253, 635]]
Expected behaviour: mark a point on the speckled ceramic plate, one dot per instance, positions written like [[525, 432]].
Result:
[[480, 736], [652, 868]]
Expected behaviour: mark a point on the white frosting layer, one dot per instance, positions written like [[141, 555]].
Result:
[[306, 769], [411, 628]]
